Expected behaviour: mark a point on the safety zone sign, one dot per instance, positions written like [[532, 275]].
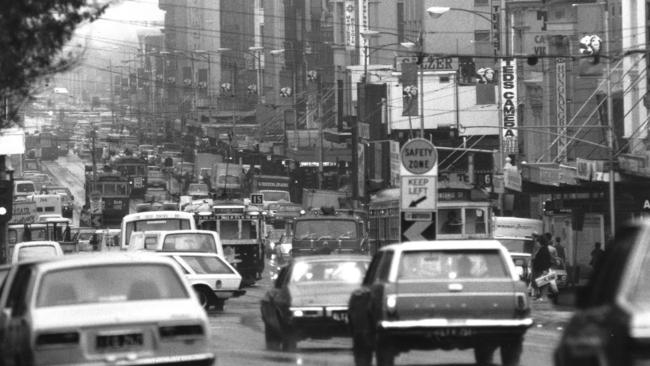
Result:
[[419, 192]]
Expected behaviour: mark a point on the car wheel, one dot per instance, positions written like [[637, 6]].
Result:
[[273, 342], [385, 353], [219, 304], [484, 355], [511, 352], [204, 297], [289, 341], [361, 350]]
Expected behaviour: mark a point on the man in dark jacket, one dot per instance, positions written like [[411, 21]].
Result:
[[542, 262]]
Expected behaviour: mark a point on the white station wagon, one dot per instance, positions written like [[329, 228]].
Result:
[[109, 308]]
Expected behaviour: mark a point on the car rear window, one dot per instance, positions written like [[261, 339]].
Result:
[[451, 264], [109, 283], [349, 271], [36, 252], [191, 242], [207, 265]]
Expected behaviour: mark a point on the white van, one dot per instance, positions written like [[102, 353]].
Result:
[[203, 241], [24, 188]]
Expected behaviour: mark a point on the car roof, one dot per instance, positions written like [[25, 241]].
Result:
[[95, 259], [36, 243], [169, 232], [191, 254], [447, 245]]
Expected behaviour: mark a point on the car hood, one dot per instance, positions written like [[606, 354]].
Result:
[[112, 313], [321, 293]]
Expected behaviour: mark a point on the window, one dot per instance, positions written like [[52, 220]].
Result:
[[400, 22], [481, 2], [482, 36]]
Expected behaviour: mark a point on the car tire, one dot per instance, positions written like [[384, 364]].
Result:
[[362, 350], [511, 352], [219, 304], [385, 353], [204, 297], [273, 342], [484, 355]]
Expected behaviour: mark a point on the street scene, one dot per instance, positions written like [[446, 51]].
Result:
[[350, 182]]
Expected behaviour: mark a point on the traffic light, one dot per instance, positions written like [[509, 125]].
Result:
[[6, 200]]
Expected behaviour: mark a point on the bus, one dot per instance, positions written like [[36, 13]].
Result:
[[107, 193], [48, 204], [457, 217], [49, 146], [240, 229], [154, 221], [326, 230], [135, 169]]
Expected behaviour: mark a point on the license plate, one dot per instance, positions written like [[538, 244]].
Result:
[[341, 316], [119, 341], [452, 332]]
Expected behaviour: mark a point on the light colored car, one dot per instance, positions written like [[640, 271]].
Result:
[[283, 246], [196, 241], [32, 250], [83, 310], [214, 280]]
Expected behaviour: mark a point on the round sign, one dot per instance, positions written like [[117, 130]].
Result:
[[419, 156]]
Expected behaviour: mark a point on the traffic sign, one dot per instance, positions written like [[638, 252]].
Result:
[[419, 156], [257, 199], [415, 227], [419, 192]]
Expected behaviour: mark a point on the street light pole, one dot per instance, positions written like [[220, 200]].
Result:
[[610, 124]]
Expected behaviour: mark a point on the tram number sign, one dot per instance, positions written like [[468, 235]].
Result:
[[419, 156], [257, 199]]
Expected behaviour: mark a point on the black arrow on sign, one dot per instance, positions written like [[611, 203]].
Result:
[[417, 201]]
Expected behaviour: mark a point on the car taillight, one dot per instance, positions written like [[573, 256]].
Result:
[[521, 302], [180, 331], [62, 338], [391, 303]]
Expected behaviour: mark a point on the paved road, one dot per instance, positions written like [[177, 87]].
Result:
[[238, 336]]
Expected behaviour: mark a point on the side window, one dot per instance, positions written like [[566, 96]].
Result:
[[384, 266], [372, 269], [17, 299]]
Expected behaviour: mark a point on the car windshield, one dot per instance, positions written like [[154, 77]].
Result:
[[207, 265], [107, 283], [229, 179], [347, 271], [25, 187], [276, 196], [326, 229], [86, 235], [191, 242], [451, 264], [36, 252]]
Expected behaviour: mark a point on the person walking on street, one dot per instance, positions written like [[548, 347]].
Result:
[[596, 255], [542, 262]]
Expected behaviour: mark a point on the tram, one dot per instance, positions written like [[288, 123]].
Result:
[[457, 217], [135, 170], [111, 189]]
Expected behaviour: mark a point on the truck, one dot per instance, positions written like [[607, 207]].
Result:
[[274, 188], [203, 163], [226, 180], [316, 198]]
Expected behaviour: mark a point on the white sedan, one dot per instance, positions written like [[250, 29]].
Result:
[[214, 280], [105, 309]]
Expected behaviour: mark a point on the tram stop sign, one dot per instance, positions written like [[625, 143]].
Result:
[[419, 157]]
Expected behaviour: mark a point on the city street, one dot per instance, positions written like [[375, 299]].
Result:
[[238, 334], [238, 331]]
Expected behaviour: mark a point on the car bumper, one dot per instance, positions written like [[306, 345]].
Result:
[[195, 359], [320, 322], [478, 324]]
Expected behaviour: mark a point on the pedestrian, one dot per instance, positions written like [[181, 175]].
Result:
[[561, 252], [66, 233], [542, 262], [596, 255]]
